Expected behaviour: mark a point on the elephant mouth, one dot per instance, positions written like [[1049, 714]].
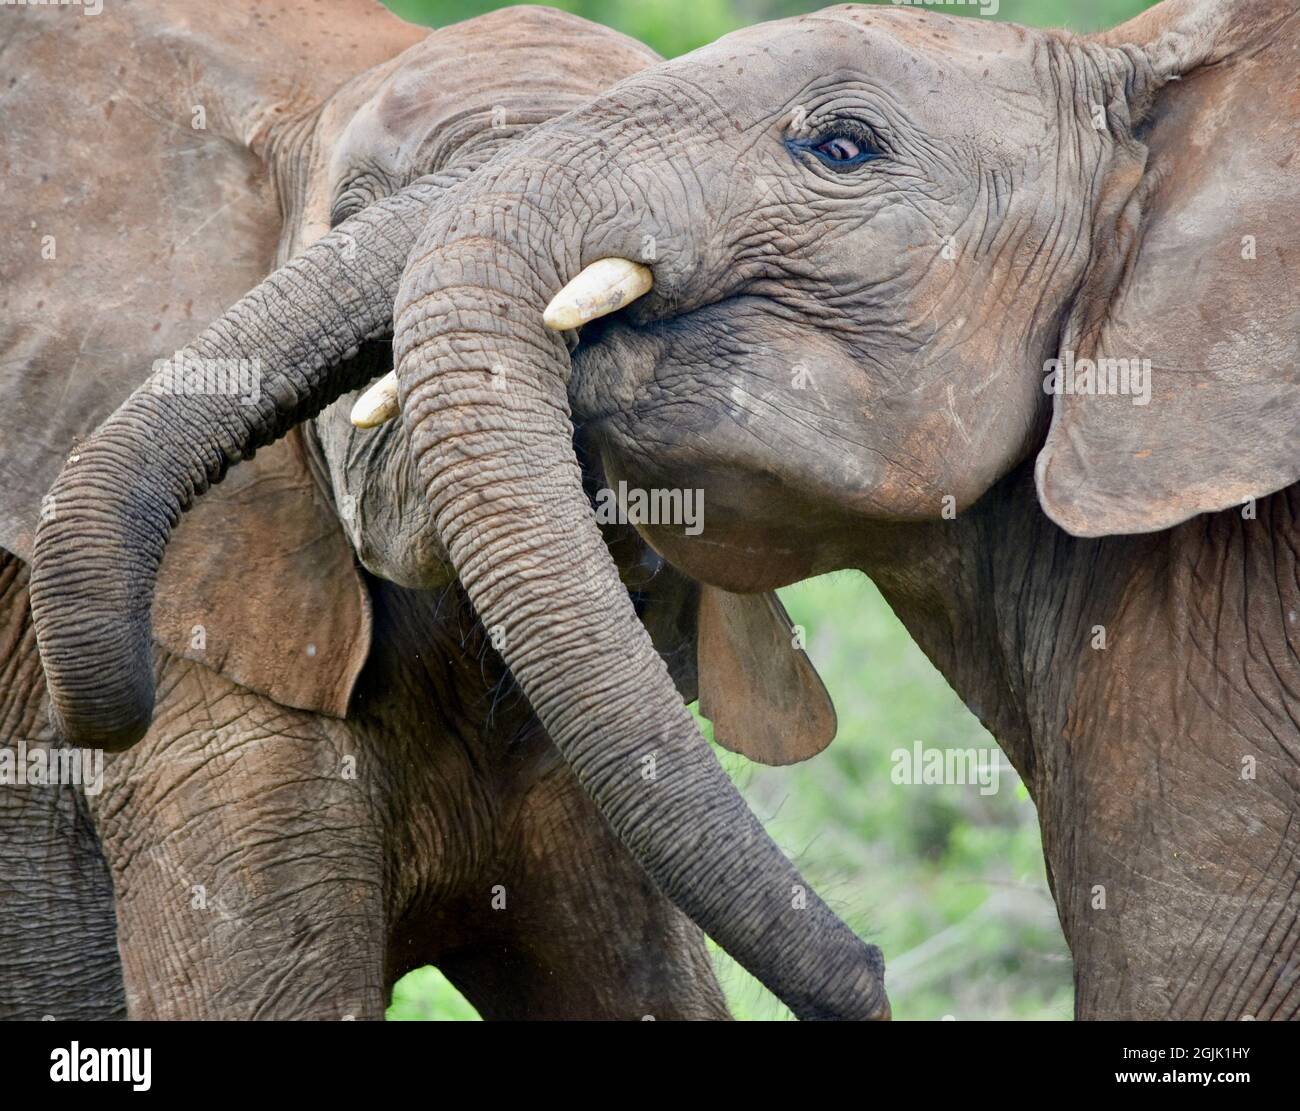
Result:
[[393, 536], [653, 398], [618, 359], [710, 399]]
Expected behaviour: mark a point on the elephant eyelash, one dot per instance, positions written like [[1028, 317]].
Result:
[[840, 147]]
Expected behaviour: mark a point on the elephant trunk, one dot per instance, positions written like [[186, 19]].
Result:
[[266, 365], [483, 391]]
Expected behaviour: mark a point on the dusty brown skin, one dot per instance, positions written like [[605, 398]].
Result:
[[260, 854], [233, 866]]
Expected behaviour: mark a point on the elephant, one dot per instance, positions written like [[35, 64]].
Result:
[[342, 781], [1006, 319]]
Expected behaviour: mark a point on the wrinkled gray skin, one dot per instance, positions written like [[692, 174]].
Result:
[[252, 858]]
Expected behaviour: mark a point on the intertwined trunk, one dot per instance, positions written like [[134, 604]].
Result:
[[113, 507], [484, 394], [484, 388]]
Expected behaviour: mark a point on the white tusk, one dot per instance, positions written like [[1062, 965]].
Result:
[[378, 404], [603, 287]]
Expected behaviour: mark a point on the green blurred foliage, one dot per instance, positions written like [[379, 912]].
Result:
[[675, 26], [949, 882], [426, 995]]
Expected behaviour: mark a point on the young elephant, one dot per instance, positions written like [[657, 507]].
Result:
[[1005, 318], [259, 585], [340, 782]]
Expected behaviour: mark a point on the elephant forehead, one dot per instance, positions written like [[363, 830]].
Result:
[[472, 85], [928, 63]]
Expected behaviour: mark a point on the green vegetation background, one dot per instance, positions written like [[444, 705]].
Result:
[[949, 882]]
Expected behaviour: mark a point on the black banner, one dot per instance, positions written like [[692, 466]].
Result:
[[942, 1058]]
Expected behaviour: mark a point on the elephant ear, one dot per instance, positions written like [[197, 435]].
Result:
[[756, 684], [737, 653], [1205, 269], [140, 206]]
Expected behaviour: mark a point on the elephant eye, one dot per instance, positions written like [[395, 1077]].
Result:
[[840, 150]]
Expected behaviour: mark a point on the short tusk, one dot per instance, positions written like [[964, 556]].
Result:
[[378, 404], [603, 287]]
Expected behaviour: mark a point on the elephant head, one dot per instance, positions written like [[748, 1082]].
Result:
[[284, 154], [903, 262], [867, 258], [890, 244]]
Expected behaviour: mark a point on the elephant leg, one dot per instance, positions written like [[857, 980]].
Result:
[[247, 859], [1172, 828], [58, 946], [1181, 907], [570, 926]]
